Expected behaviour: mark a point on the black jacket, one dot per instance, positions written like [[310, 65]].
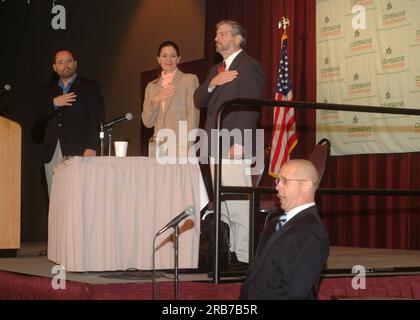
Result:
[[248, 84], [76, 126], [289, 262]]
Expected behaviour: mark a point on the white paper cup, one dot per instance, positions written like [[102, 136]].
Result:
[[120, 148]]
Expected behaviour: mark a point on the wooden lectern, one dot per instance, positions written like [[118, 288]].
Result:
[[10, 186]]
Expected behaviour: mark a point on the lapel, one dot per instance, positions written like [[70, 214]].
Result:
[[280, 233], [73, 88], [55, 92], [292, 222], [237, 61], [233, 66], [75, 85], [284, 231], [58, 91]]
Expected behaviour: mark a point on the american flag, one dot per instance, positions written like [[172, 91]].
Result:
[[284, 137]]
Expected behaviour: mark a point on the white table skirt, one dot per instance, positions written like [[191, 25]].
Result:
[[105, 211]]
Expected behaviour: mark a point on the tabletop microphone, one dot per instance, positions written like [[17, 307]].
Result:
[[110, 124], [6, 87], [189, 211]]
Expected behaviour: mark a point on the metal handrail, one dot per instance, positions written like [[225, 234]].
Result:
[[329, 191], [274, 103]]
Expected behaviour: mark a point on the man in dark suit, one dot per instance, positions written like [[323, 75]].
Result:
[[238, 76], [69, 110], [294, 248]]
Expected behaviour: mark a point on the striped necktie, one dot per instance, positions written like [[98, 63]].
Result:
[[281, 222]]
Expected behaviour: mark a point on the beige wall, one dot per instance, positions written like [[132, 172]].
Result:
[[152, 22]]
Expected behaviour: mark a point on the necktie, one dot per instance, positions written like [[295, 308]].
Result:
[[222, 67], [281, 222]]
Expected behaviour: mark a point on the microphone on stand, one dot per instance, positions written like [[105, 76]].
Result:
[[110, 124], [172, 224], [184, 214], [6, 87]]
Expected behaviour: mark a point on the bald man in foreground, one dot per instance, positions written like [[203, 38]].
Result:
[[293, 248]]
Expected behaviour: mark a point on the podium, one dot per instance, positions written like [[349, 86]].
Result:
[[10, 186]]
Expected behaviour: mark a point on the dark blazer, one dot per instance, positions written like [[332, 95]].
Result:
[[76, 126], [248, 84], [289, 262]]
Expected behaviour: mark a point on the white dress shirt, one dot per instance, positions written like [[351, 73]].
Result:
[[290, 214]]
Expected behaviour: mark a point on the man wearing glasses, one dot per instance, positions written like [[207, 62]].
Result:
[[69, 111], [293, 248]]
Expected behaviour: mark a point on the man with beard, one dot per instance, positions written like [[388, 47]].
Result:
[[238, 76], [70, 110]]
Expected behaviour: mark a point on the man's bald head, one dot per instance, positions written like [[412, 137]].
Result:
[[304, 169], [297, 184]]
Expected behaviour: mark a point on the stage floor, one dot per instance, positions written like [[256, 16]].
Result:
[[378, 262], [29, 262]]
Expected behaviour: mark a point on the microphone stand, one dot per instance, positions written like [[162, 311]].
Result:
[[101, 137], [153, 269], [109, 140], [176, 284]]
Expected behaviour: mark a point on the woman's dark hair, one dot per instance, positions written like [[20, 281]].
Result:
[[168, 43]]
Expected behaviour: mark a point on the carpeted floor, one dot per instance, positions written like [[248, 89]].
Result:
[[340, 263]]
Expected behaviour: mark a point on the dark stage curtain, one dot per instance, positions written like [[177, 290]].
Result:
[[381, 222]]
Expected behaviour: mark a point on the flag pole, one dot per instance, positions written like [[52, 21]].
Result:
[[284, 138]]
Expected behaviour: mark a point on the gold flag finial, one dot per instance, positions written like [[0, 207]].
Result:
[[284, 23]]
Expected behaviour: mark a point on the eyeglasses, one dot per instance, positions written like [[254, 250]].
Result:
[[284, 181], [64, 61]]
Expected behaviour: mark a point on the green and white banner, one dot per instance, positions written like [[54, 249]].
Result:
[[368, 53]]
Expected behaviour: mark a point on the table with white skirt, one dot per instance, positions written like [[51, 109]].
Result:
[[105, 211]]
